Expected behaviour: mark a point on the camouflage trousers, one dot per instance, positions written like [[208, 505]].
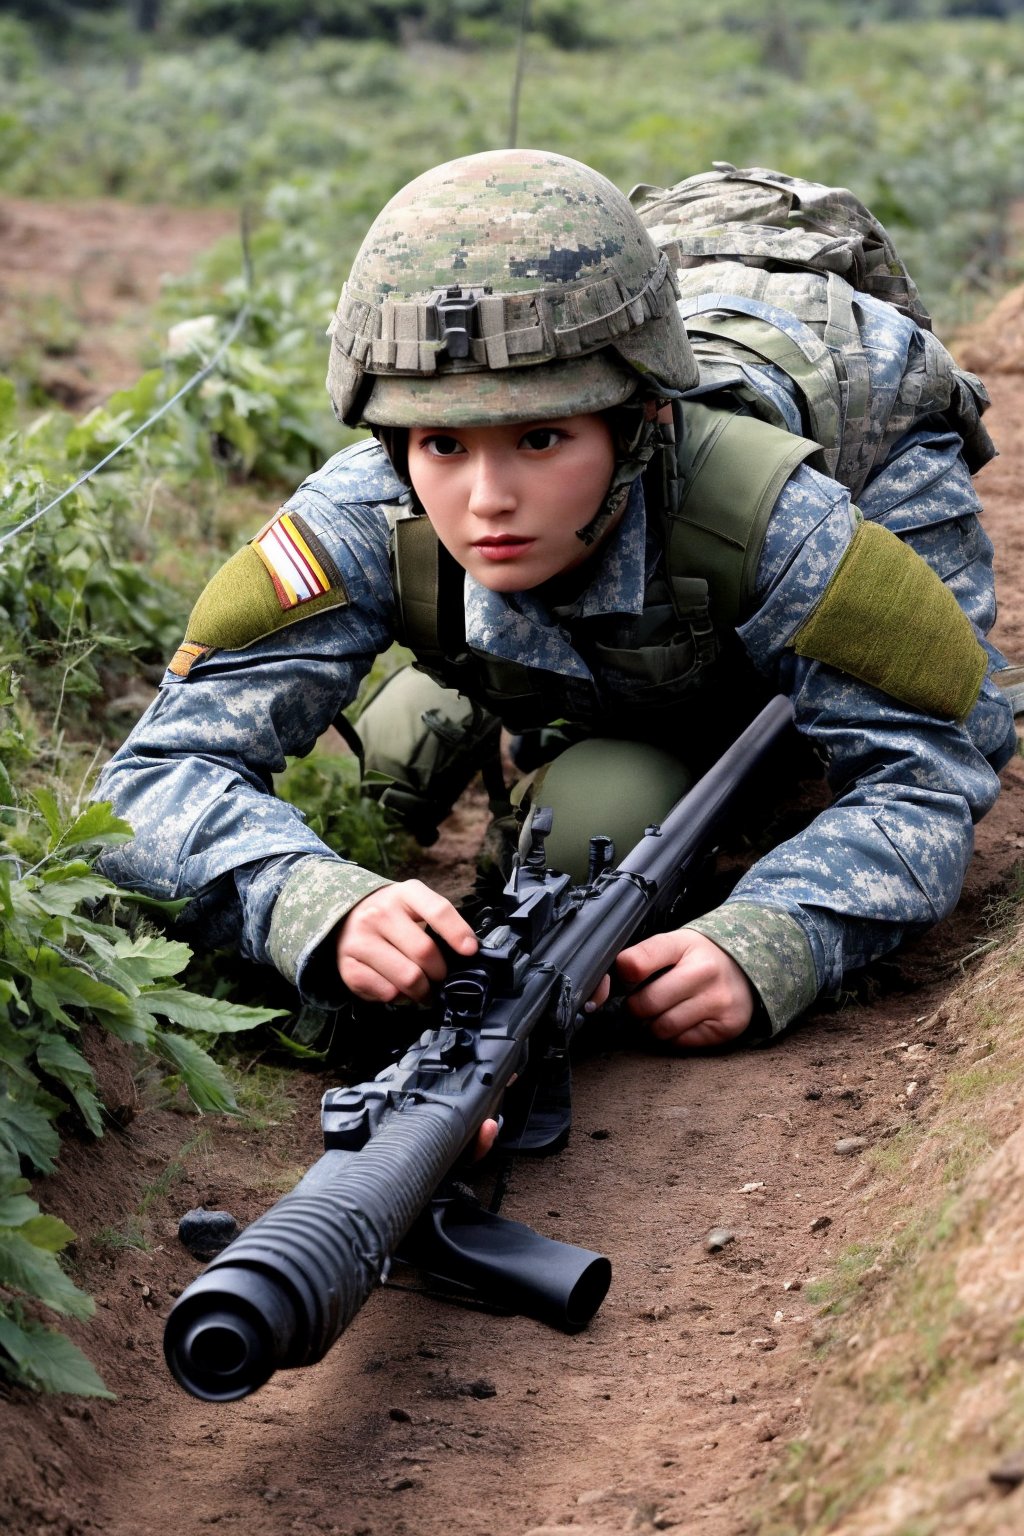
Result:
[[423, 743]]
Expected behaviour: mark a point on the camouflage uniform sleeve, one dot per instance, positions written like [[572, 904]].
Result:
[[194, 778], [888, 857]]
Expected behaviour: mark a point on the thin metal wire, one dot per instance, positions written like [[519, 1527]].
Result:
[[190, 384], [517, 82]]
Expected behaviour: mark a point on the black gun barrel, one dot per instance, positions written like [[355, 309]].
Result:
[[284, 1290]]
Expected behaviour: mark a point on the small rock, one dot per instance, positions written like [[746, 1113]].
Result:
[[600, 1135], [780, 1317], [657, 1313], [912, 1088], [400, 1484], [919, 1051], [764, 1430], [792, 1285], [718, 1238], [748, 1189], [207, 1233], [1009, 1474], [764, 1344], [848, 1145], [820, 1224], [813, 1093], [480, 1388], [399, 1416], [593, 1496]]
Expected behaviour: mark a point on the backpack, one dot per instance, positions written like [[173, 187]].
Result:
[[772, 270]]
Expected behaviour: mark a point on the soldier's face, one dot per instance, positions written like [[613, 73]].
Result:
[[506, 501]]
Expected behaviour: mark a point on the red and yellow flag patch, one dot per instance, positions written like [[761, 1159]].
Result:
[[288, 555]]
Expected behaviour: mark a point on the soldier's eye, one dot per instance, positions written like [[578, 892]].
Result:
[[542, 437], [441, 445]]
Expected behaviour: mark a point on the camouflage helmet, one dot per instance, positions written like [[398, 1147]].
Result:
[[505, 286]]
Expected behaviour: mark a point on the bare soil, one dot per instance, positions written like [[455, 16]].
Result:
[[78, 282], [671, 1411]]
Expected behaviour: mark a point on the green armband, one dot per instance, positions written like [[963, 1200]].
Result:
[[887, 618]]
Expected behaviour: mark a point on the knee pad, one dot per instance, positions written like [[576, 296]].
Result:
[[602, 787], [421, 746]]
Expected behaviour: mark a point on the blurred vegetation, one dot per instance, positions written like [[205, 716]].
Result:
[[919, 107]]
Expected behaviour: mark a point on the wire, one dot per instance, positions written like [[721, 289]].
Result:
[[190, 384]]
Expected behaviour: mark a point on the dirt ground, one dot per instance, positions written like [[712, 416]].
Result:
[[670, 1411], [78, 283]]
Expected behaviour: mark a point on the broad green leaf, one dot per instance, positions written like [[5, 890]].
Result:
[[30, 1132], [214, 1016], [56, 983], [47, 1232], [151, 957], [49, 1361], [16, 1209], [36, 1273], [47, 805], [60, 1059], [97, 827], [206, 1083], [62, 894]]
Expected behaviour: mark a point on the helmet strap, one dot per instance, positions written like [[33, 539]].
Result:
[[638, 435]]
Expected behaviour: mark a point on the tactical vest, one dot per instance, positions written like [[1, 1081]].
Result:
[[713, 490]]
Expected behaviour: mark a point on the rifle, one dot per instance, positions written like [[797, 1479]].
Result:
[[285, 1289]]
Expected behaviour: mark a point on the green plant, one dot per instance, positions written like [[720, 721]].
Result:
[[326, 789], [65, 960]]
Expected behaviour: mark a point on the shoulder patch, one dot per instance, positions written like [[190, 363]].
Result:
[[283, 575], [887, 619]]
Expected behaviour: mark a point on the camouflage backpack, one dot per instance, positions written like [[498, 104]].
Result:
[[770, 269]]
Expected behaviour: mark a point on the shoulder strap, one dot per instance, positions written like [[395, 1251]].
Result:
[[732, 468], [430, 612]]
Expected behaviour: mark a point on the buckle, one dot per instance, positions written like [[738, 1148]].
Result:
[[454, 312]]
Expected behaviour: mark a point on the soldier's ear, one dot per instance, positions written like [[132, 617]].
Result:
[[395, 442]]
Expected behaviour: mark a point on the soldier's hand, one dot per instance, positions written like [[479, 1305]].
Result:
[[384, 952], [702, 997]]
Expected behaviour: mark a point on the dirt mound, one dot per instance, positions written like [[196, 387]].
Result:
[[996, 345], [78, 286]]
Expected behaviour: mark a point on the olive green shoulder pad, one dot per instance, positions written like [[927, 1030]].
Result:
[[887, 618], [731, 469], [283, 575]]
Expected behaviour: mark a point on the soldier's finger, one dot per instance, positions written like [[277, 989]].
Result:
[[427, 906], [381, 973]]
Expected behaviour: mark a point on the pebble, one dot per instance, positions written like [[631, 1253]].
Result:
[[399, 1416], [820, 1224], [748, 1189], [813, 1093], [480, 1388], [718, 1238], [207, 1233], [400, 1484], [848, 1145], [764, 1344], [1009, 1474], [793, 1285]]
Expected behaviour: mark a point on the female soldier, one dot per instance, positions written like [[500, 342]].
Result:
[[566, 529]]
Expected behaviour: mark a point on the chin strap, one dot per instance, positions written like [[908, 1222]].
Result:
[[639, 435]]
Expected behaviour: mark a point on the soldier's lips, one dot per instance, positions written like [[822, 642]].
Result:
[[505, 547]]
